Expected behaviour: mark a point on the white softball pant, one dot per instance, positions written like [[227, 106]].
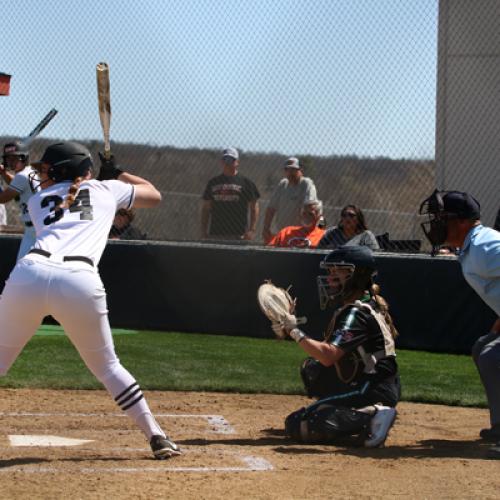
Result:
[[73, 293], [28, 240]]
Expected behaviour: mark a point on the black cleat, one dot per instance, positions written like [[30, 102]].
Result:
[[491, 434], [163, 447]]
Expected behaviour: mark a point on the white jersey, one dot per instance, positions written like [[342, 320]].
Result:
[[83, 229], [21, 184]]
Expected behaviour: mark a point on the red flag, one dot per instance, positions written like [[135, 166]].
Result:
[[4, 84]]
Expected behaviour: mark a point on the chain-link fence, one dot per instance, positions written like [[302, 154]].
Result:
[[347, 87]]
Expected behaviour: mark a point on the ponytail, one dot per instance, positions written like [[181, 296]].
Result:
[[72, 193], [383, 307]]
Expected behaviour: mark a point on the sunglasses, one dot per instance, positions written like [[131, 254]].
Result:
[[349, 215]]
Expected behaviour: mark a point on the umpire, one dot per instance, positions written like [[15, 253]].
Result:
[[454, 220]]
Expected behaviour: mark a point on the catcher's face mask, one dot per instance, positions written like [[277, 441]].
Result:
[[333, 285]]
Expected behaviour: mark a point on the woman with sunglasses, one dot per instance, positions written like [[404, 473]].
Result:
[[351, 230]]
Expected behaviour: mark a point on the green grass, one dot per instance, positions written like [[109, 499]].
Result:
[[201, 362]]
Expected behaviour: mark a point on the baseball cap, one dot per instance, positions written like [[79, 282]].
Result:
[[463, 205], [292, 162], [231, 152], [14, 149]]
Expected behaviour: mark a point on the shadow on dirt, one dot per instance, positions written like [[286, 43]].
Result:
[[429, 448], [16, 462]]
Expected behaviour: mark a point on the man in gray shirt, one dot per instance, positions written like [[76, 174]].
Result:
[[288, 199]]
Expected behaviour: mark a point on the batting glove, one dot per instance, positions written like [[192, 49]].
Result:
[[108, 169]]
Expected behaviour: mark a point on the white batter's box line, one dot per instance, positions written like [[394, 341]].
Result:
[[218, 423], [252, 464]]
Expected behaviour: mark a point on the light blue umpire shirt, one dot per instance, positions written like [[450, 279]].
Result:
[[480, 260]]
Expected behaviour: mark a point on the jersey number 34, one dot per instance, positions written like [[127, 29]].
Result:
[[81, 204]]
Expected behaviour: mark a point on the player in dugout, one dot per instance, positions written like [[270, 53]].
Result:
[[18, 174]]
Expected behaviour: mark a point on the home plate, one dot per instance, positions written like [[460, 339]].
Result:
[[44, 440]]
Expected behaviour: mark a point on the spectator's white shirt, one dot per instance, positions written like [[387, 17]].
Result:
[[288, 200]]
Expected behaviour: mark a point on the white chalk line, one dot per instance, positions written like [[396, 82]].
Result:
[[253, 464], [219, 423]]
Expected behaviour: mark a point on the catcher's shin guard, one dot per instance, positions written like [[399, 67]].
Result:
[[325, 424]]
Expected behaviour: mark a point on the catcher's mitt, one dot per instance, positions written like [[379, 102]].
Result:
[[277, 304]]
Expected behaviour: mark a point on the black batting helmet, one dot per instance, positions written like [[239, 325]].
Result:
[[67, 161], [359, 261], [15, 148]]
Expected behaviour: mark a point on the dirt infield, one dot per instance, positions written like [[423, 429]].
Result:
[[233, 448]]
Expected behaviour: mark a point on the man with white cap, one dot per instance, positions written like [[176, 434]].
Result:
[[288, 199], [230, 203]]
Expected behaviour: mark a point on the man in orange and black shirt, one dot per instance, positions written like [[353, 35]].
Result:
[[305, 236]]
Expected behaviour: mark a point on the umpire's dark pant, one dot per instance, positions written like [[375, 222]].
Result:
[[486, 355]]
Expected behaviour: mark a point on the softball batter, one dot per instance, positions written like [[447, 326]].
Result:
[[72, 215], [16, 172]]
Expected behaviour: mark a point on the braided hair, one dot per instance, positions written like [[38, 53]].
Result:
[[72, 193], [383, 307]]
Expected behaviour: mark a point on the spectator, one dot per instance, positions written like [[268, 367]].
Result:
[[308, 234], [227, 200], [351, 230], [497, 221], [288, 199], [122, 228]]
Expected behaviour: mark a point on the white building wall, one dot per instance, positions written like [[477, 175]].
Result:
[[468, 101]]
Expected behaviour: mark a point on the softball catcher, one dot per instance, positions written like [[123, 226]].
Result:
[[17, 172], [72, 215], [353, 371]]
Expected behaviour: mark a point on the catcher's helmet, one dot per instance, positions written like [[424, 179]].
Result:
[[17, 149], [67, 161], [443, 206], [359, 263]]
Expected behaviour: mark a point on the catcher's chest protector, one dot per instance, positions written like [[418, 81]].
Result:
[[369, 359], [389, 346]]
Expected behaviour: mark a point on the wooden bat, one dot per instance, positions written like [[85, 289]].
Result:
[[38, 129], [104, 100]]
